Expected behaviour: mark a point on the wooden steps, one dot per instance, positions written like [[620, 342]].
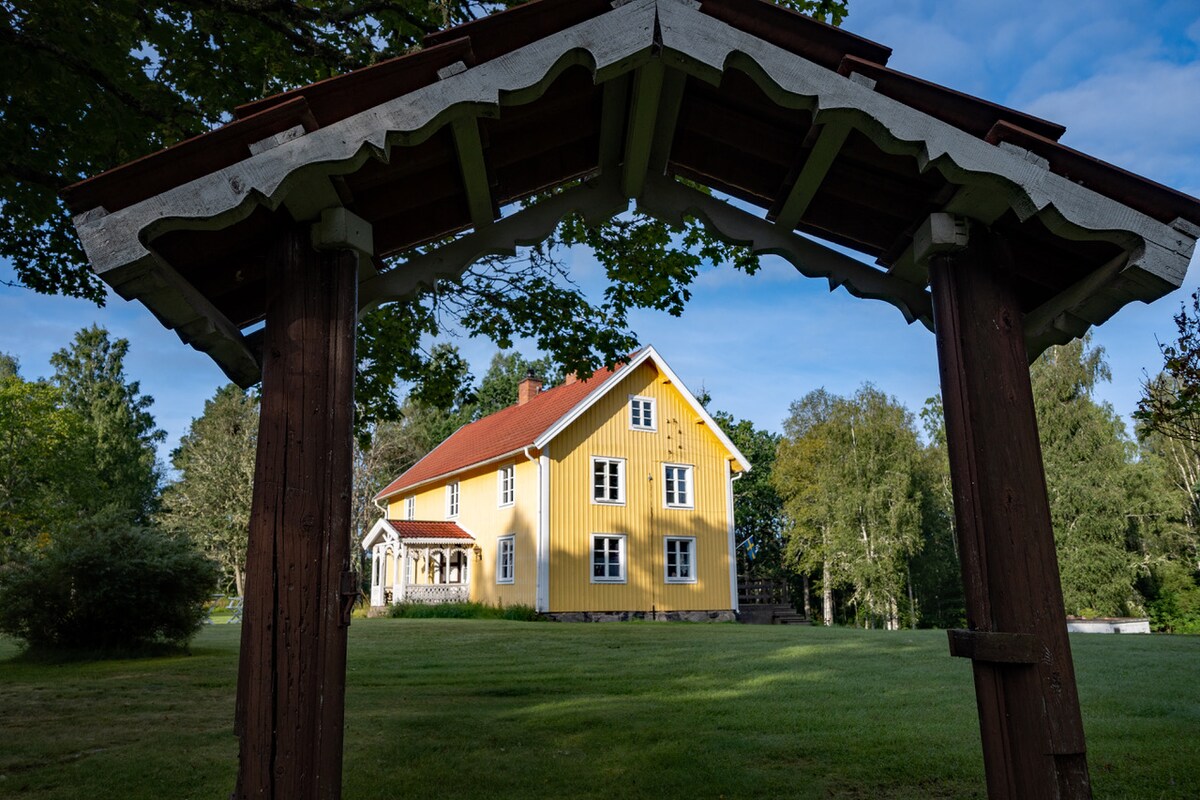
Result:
[[771, 614]]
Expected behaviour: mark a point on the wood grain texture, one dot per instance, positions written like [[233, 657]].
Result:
[[291, 680], [1028, 714]]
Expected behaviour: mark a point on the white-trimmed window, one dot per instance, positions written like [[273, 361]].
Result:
[[608, 480], [679, 556], [506, 485], [642, 413], [608, 558], [506, 548], [452, 499], [677, 486], [410, 507]]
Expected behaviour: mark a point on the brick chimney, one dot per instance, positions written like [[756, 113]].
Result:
[[571, 378], [529, 388]]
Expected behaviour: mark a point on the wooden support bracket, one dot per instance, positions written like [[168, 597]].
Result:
[[812, 175], [473, 164], [995, 647], [643, 116], [612, 122], [339, 229]]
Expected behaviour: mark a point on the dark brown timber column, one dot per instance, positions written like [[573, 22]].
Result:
[[291, 681], [1029, 718]]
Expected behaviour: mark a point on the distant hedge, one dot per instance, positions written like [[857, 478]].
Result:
[[520, 613], [106, 585]]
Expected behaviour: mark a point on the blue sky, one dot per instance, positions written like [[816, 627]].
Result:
[[1124, 77]]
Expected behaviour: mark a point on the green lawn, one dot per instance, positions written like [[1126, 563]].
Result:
[[479, 709]]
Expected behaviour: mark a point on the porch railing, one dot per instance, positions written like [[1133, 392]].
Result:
[[437, 593], [754, 592]]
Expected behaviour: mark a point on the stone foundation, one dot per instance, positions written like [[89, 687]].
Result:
[[724, 615]]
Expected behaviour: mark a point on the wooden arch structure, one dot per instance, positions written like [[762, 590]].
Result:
[[983, 227]]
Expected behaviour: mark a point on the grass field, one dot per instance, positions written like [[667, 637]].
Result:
[[493, 709]]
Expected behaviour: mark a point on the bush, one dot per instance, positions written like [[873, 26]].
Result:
[[106, 585], [520, 613]]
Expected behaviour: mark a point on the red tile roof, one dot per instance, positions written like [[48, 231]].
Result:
[[506, 431], [424, 529]]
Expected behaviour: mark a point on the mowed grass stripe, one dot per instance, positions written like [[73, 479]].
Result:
[[496, 709]]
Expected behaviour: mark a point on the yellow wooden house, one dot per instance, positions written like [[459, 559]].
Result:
[[604, 498]]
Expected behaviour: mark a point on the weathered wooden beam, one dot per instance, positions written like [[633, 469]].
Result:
[[473, 166], [671, 201], [597, 200], [1029, 716], [998, 648], [613, 110], [812, 174], [643, 116], [669, 102], [1040, 321], [292, 669]]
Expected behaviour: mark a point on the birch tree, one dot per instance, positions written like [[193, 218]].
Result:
[[849, 472]]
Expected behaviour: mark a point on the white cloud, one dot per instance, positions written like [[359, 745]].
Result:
[[1142, 117], [1193, 31]]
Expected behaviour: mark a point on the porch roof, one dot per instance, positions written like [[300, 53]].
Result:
[[418, 531]]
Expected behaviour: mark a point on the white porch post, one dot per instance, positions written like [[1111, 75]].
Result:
[[403, 567], [377, 576]]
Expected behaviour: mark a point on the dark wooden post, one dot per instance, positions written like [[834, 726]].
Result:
[[291, 682], [1029, 715]]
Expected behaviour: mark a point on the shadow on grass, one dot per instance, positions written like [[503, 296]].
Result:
[[34, 655]]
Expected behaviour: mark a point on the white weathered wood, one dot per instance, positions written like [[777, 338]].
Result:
[[610, 44], [671, 201], [298, 173], [597, 200], [705, 46]]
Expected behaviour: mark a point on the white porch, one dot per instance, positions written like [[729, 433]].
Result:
[[409, 566]]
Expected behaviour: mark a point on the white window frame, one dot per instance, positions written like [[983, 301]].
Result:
[[506, 478], [653, 409], [452, 500], [620, 462], [622, 558], [691, 540], [410, 507], [511, 542], [689, 472]]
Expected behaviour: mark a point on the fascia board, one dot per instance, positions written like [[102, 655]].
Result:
[[646, 353], [591, 398], [380, 528], [447, 475]]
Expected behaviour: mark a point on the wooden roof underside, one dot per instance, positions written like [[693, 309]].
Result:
[[604, 104]]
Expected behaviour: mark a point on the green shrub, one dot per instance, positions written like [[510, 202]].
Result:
[[106, 585], [520, 613]]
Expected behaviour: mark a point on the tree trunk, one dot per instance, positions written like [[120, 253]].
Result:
[[291, 681], [826, 593], [807, 603]]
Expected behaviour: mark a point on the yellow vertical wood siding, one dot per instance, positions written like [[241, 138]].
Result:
[[680, 438], [481, 515]]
